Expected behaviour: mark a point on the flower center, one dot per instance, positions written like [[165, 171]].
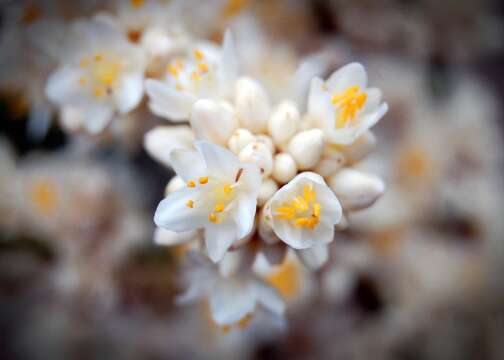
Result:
[[102, 73], [348, 103], [219, 196], [303, 210], [44, 197], [286, 279]]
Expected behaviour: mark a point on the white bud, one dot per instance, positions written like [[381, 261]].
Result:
[[360, 148], [266, 191], [306, 148], [331, 161], [356, 190], [284, 168], [156, 42], [265, 227], [176, 183], [259, 154], [213, 121], [284, 122], [251, 105], [266, 140], [160, 141], [240, 139]]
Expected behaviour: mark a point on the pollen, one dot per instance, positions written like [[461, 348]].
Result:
[[219, 208], [98, 57], [227, 189], [190, 204], [286, 278], [203, 67], [348, 102], [191, 184], [198, 54], [212, 218], [203, 180], [303, 210], [99, 91], [44, 197], [173, 70]]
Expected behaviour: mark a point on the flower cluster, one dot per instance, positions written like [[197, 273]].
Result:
[[259, 178]]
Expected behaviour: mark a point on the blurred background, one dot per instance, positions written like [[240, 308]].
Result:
[[416, 276]]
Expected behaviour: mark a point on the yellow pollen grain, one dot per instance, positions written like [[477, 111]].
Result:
[[212, 218], [227, 189], [173, 70], [219, 208], [302, 210], [44, 197], [98, 57], [191, 184], [198, 54], [190, 204], [99, 91], [286, 279], [243, 322], [203, 180], [203, 67], [137, 3]]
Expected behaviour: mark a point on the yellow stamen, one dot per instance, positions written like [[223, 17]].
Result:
[[212, 218], [219, 208], [302, 210], [348, 102], [198, 54], [227, 189], [98, 57], [99, 91], [203, 180], [203, 67], [44, 196], [190, 204], [191, 184], [173, 70], [286, 279]]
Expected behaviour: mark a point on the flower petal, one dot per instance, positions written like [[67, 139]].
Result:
[[63, 86], [160, 141], [188, 164], [173, 213], [167, 102], [244, 215], [97, 116], [314, 257], [169, 238], [218, 239], [352, 74], [231, 301], [219, 161], [268, 297], [129, 92], [228, 69]]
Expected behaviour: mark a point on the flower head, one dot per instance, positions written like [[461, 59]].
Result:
[[220, 196], [102, 75], [304, 211], [343, 106]]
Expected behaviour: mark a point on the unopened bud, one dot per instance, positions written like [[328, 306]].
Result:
[[251, 105], [176, 183], [306, 148], [356, 190], [259, 154], [213, 121], [284, 168], [266, 191], [284, 122], [240, 139]]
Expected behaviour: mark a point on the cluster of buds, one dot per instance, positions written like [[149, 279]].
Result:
[[255, 179]]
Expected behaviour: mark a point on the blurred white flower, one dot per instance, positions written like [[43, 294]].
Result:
[[233, 298], [101, 75], [221, 197], [343, 106], [207, 72], [303, 214]]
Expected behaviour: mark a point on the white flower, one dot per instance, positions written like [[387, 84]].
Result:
[[221, 197], [303, 214], [231, 298], [208, 72], [160, 141], [102, 74], [343, 106]]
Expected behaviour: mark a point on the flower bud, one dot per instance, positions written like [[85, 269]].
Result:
[[176, 183], [265, 227], [251, 105], [306, 148], [331, 161], [240, 139], [259, 154], [266, 140], [160, 141], [284, 122], [356, 190], [266, 191], [284, 168], [156, 42], [213, 121], [360, 148]]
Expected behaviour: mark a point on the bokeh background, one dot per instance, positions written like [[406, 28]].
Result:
[[417, 276]]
